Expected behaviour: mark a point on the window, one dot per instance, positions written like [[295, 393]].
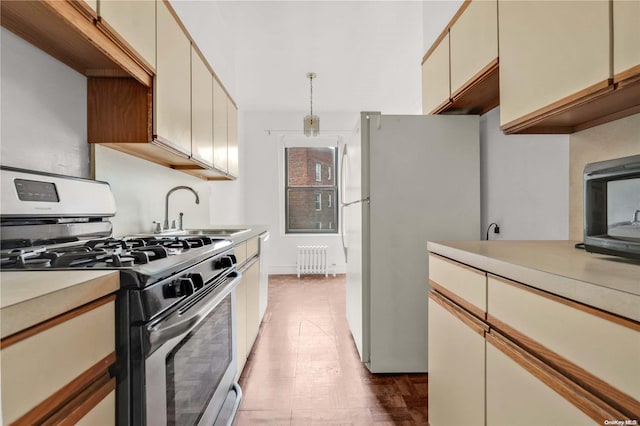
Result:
[[306, 190]]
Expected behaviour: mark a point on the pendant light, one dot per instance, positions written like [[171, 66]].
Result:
[[311, 122]]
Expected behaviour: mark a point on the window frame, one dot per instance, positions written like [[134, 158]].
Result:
[[320, 188]]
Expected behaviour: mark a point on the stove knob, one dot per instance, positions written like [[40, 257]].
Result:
[[224, 262], [197, 280], [179, 288]]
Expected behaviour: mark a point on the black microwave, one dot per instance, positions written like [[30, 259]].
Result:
[[612, 207]]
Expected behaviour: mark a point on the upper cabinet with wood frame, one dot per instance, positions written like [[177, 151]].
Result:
[[132, 24], [556, 62], [460, 70]]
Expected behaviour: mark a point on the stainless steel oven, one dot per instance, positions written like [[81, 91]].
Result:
[[191, 359], [175, 320]]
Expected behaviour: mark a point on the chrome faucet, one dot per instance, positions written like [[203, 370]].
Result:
[[166, 204], [636, 216]]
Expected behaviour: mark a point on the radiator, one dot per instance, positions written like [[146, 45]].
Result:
[[312, 260]]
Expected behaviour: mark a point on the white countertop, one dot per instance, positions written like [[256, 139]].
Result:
[[604, 282], [31, 297]]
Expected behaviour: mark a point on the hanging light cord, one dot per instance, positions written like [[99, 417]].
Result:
[[311, 95]]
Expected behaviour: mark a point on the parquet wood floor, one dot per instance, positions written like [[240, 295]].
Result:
[[304, 368]]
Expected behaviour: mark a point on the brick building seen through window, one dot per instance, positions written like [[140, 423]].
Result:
[[311, 190]]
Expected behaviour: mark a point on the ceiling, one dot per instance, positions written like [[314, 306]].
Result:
[[366, 54]]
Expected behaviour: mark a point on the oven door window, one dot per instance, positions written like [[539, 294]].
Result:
[[195, 367]]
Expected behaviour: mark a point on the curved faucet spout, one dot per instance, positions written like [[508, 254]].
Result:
[[166, 203]]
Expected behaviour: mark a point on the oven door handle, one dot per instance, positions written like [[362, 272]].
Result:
[[179, 323]]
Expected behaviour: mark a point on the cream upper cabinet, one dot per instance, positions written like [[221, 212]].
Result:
[[135, 22], [232, 137], [219, 127], [474, 42], [626, 37], [172, 100], [550, 50], [201, 110], [435, 78]]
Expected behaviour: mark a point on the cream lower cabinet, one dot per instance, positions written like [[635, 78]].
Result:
[[456, 365], [247, 298], [57, 371], [515, 396], [549, 360]]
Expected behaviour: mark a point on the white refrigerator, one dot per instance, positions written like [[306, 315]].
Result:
[[405, 180]]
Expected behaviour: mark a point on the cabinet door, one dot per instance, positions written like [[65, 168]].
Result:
[[456, 366], [219, 127], [172, 100], [435, 78], [550, 50], [135, 22], [201, 110], [232, 141], [523, 391], [241, 323], [474, 42], [252, 276], [626, 38]]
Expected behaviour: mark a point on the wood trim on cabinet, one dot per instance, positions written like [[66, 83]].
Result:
[[625, 322], [582, 399], [630, 76], [446, 30], [46, 408], [471, 321], [119, 110], [566, 104], [39, 328], [124, 45], [457, 299], [480, 94], [86, 10], [61, 30], [88, 399], [440, 108], [593, 384]]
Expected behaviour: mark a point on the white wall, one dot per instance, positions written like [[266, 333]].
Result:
[[436, 14], [524, 183], [264, 203], [140, 188], [44, 111]]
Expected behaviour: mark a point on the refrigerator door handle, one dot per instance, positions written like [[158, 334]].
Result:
[[344, 246], [342, 177]]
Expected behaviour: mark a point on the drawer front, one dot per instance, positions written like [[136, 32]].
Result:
[[516, 397], [38, 366], [240, 250], [606, 349], [465, 285], [456, 367], [252, 247]]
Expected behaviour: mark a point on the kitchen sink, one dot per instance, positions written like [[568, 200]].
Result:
[[216, 232]]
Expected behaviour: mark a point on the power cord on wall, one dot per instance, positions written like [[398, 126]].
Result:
[[496, 230]]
